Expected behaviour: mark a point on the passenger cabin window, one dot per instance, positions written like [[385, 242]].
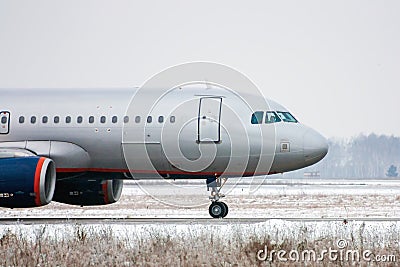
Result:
[[114, 119], [161, 119], [103, 119], [68, 119], [91, 119], [271, 117], [21, 119], [149, 119], [126, 119], [33, 119], [172, 119], [79, 119], [286, 116], [137, 119], [56, 119], [45, 119], [257, 117]]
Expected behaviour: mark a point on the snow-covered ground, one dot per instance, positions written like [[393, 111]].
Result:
[[272, 198], [275, 200], [354, 234]]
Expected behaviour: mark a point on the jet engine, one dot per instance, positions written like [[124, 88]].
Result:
[[87, 192], [26, 182]]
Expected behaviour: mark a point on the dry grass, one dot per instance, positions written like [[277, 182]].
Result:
[[101, 246]]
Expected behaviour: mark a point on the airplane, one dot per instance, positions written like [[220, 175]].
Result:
[[76, 146]]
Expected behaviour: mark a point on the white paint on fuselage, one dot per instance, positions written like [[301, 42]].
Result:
[[240, 141]]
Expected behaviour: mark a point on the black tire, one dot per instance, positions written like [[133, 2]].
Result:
[[217, 210], [226, 209]]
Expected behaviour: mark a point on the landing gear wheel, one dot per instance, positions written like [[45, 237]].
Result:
[[226, 209], [218, 209]]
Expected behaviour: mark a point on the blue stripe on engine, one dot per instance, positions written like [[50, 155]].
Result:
[[17, 176]]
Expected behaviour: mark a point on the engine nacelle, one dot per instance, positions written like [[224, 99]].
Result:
[[88, 192], [26, 182]]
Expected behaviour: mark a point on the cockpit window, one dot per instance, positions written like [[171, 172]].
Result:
[[272, 117], [257, 117], [286, 116]]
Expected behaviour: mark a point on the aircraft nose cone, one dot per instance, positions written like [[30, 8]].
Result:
[[315, 147]]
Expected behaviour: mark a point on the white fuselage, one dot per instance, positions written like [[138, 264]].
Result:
[[191, 133]]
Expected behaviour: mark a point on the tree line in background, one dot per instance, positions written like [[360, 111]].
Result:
[[364, 156]]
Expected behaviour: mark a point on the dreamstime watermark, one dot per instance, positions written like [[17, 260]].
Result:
[[339, 253], [191, 121]]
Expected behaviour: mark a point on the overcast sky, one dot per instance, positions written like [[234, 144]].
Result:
[[335, 65]]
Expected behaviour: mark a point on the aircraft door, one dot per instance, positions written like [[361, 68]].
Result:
[[4, 122], [209, 120]]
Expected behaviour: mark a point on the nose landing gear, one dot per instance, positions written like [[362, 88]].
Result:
[[217, 209]]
